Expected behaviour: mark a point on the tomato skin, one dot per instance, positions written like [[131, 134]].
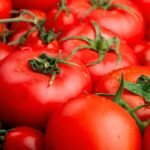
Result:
[[64, 22], [109, 63], [144, 6], [5, 50], [27, 4], [122, 22], [109, 84], [145, 140], [5, 8], [142, 50], [86, 122], [32, 98], [24, 138]]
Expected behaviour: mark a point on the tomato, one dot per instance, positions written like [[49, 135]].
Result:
[[35, 91], [45, 5], [144, 6], [24, 138], [61, 19], [92, 123], [146, 136], [142, 50], [109, 84], [5, 50], [119, 16], [89, 55]]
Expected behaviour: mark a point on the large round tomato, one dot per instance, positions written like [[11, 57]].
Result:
[[33, 83], [44, 5], [90, 55], [137, 77], [119, 16], [92, 123]]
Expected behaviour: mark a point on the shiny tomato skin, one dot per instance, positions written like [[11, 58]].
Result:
[[31, 98], [92, 123], [109, 63], [110, 84], [24, 138], [44, 5]]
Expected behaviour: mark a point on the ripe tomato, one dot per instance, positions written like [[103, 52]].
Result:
[[23, 138], [109, 84], [44, 5], [61, 19], [35, 91], [119, 16], [89, 55], [92, 123]]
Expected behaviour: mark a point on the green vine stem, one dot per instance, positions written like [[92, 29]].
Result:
[[100, 45], [38, 24], [132, 111], [117, 99]]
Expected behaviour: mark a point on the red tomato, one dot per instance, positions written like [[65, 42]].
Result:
[[142, 50], [24, 138], [109, 84], [146, 136], [44, 5], [5, 8], [92, 123], [5, 50], [61, 22], [144, 6], [122, 19], [32, 94], [87, 55]]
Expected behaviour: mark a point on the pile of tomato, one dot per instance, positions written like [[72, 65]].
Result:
[[74, 75]]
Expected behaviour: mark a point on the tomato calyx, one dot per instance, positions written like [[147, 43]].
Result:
[[141, 87], [100, 45], [48, 65]]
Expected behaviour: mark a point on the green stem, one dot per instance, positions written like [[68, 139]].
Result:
[[99, 44]]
